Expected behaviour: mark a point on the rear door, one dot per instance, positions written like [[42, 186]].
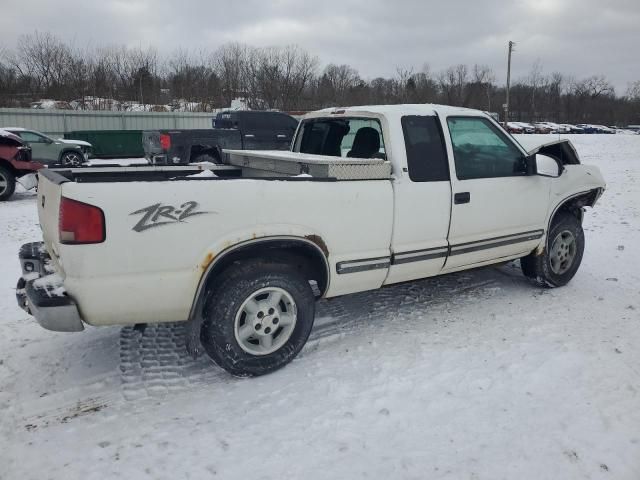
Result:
[[422, 202], [284, 127], [498, 210]]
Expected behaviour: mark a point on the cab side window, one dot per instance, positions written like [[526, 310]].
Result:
[[481, 150], [426, 153]]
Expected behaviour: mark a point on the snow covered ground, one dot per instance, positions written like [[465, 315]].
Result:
[[476, 375], [124, 162]]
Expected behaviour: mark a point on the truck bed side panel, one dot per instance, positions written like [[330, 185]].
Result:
[[162, 236]]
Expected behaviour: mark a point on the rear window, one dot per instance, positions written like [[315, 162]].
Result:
[[341, 137], [225, 120]]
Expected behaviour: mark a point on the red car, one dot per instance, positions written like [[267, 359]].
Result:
[[15, 162]]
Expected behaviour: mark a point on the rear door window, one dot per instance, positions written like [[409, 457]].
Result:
[[426, 153]]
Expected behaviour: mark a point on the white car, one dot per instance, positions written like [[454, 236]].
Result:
[[368, 196]]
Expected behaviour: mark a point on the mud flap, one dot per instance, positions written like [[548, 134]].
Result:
[[193, 329]]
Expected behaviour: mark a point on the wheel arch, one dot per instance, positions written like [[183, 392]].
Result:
[[308, 253], [7, 164], [199, 149], [574, 204]]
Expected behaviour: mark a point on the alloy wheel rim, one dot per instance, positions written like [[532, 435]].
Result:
[[71, 159], [4, 183], [563, 252], [265, 321]]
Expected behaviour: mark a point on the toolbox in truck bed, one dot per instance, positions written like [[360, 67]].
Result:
[[321, 166]]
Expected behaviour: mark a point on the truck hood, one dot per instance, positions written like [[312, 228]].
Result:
[[562, 150], [75, 142]]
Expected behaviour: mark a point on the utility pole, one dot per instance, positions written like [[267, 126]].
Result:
[[506, 105]]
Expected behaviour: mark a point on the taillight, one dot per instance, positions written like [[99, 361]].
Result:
[[80, 223], [165, 141]]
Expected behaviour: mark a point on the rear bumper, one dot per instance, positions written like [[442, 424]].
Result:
[[40, 292]]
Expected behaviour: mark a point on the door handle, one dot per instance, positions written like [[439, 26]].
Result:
[[249, 135], [281, 136], [462, 197]]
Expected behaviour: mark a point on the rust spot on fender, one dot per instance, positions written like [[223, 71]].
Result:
[[319, 242], [207, 261]]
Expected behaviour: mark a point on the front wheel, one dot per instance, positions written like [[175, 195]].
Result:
[[562, 255], [7, 183], [258, 318], [71, 159]]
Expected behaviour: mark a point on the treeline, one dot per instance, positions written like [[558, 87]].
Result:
[[287, 78]]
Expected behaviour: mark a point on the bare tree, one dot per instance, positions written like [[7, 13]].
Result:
[[453, 82], [287, 78]]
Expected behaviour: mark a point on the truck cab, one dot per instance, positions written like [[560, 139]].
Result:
[[260, 130]]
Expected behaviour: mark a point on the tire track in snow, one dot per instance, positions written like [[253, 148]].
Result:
[[154, 362]]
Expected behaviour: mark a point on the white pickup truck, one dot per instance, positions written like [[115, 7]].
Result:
[[367, 197]]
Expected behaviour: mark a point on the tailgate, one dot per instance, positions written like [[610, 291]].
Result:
[[49, 193]]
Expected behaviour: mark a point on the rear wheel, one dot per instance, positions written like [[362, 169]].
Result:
[[71, 159], [7, 183], [206, 157], [258, 318], [562, 255]]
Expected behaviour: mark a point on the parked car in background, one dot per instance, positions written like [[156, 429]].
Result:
[[15, 163], [527, 127], [572, 128], [588, 128], [542, 127], [237, 130], [605, 129], [44, 149], [514, 127], [558, 128]]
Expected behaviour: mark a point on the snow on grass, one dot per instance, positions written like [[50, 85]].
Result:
[[471, 375]]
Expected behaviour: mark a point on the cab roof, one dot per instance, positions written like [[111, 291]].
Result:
[[399, 110]]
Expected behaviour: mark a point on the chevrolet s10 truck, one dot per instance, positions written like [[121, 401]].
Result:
[[367, 197]]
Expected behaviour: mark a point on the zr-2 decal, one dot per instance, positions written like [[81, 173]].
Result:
[[157, 214]]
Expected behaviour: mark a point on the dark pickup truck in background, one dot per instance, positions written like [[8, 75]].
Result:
[[237, 130]]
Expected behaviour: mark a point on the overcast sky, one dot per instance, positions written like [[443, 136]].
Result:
[[576, 37]]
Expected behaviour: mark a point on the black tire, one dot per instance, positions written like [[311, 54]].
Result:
[[239, 283], [71, 159], [539, 267], [207, 157], [7, 183]]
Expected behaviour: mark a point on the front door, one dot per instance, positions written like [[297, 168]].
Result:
[[498, 209]]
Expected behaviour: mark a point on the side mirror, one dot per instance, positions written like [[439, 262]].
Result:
[[547, 166]]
